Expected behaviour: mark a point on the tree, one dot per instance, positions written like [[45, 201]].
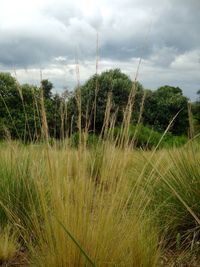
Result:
[[52, 104], [53, 113], [162, 105], [47, 87], [17, 108], [112, 82], [196, 112], [20, 106], [10, 100], [198, 93]]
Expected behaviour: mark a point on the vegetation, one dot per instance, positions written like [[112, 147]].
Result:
[[162, 105], [21, 112], [196, 113], [119, 207], [81, 193], [8, 245]]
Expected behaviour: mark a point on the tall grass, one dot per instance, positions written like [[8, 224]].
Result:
[[178, 192], [8, 244], [114, 205], [100, 205], [88, 197]]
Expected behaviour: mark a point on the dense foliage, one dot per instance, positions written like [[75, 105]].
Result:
[[21, 111], [196, 112]]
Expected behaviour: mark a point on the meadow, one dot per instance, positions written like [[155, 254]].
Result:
[[99, 206]]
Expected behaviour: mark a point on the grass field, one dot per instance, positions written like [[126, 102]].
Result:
[[102, 206]]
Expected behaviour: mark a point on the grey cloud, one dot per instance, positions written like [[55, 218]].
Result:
[[176, 26], [39, 46], [122, 34], [158, 31]]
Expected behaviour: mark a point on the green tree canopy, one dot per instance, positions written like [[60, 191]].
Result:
[[112, 82], [162, 105], [18, 115], [196, 112], [47, 87], [20, 106]]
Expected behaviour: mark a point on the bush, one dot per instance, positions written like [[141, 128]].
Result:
[[148, 138], [92, 140]]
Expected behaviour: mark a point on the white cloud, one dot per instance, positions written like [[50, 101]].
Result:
[[188, 61]]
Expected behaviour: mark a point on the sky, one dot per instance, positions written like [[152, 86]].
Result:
[[52, 35]]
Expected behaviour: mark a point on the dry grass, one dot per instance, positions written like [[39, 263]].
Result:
[[89, 195], [8, 245], [115, 207]]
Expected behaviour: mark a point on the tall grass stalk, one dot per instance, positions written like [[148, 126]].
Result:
[[45, 132]]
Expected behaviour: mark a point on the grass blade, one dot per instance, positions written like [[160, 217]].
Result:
[[77, 244]]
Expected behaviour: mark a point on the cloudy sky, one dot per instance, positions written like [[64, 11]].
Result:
[[50, 34]]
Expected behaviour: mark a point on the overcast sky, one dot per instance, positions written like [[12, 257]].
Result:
[[49, 34]]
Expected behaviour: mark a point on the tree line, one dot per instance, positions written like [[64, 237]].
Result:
[[22, 107]]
